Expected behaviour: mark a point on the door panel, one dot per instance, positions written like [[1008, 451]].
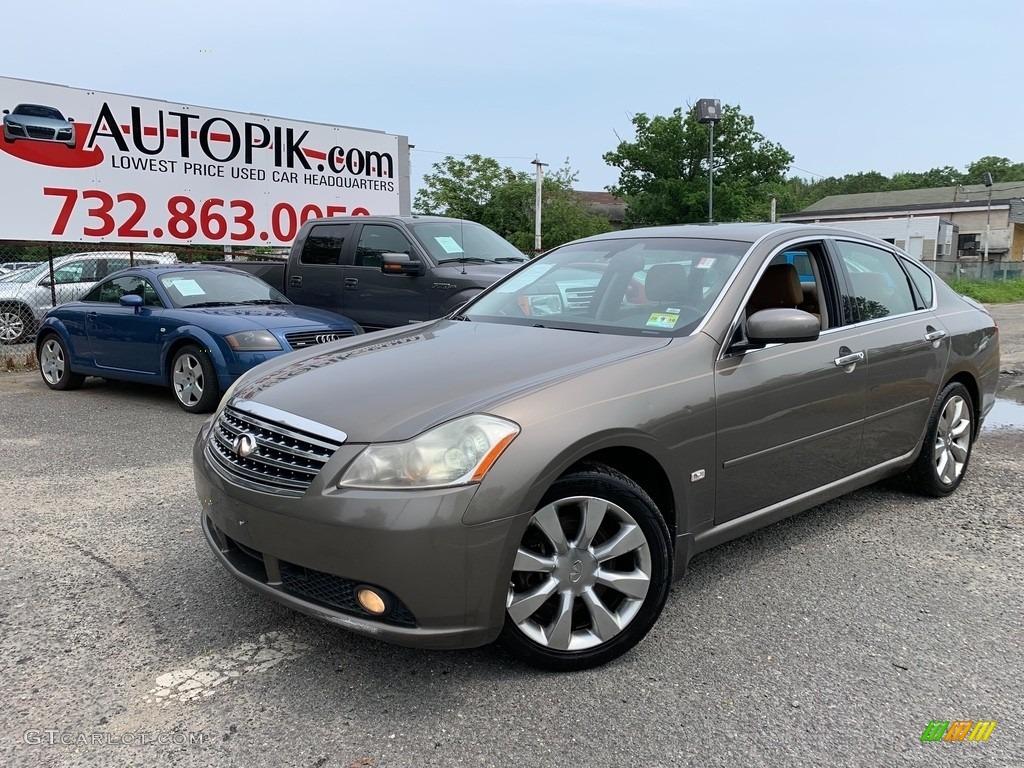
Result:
[[315, 278], [790, 419], [379, 300]]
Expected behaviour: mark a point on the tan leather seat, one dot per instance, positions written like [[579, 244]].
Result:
[[779, 287]]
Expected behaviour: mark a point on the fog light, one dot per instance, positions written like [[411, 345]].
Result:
[[371, 601]]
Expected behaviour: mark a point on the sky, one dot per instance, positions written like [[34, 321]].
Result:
[[844, 85]]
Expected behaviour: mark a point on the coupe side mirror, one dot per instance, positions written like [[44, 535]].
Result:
[[131, 300], [782, 326]]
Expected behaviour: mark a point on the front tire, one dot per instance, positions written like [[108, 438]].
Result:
[[16, 324], [194, 380], [55, 365], [591, 575], [940, 468]]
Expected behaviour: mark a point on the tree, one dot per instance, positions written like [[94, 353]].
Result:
[[663, 172], [462, 188], [564, 216]]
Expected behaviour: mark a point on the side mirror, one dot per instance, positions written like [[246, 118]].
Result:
[[46, 282], [7, 111], [131, 300], [399, 264], [782, 326], [71, 119]]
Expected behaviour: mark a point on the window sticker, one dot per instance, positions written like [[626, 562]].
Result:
[[666, 320], [706, 262], [186, 286], [449, 244]]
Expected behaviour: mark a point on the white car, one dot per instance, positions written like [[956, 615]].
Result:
[[27, 294]]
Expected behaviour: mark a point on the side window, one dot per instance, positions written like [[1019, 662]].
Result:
[[796, 279], [75, 272], [922, 279], [111, 291], [376, 239], [880, 287], [324, 243]]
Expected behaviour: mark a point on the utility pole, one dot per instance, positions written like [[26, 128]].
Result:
[[988, 215], [537, 202]]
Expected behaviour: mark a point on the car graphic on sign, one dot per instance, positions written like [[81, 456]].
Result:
[[38, 122]]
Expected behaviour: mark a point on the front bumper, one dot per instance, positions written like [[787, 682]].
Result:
[[446, 581]]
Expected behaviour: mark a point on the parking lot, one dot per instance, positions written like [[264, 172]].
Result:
[[830, 639]]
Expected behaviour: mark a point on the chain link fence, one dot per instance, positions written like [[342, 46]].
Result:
[[973, 269], [37, 276]]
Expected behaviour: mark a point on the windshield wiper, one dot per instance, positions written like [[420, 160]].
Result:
[[464, 260], [259, 301], [506, 259], [210, 304], [563, 328]]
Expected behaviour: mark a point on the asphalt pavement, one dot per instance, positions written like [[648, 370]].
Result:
[[829, 639]]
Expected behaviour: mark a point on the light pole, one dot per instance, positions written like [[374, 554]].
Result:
[[538, 199], [988, 214], [709, 112]]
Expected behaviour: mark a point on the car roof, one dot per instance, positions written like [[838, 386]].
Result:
[[163, 269]]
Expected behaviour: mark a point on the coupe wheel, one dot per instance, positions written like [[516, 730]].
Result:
[[591, 574], [15, 325], [55, 366], [194, 380], [940, 468]]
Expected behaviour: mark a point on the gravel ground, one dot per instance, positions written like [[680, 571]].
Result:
[[830, 639]]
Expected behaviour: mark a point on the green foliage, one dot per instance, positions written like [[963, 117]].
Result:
[[663, 172], [797, 193], [990, 291], [479, 189], [462, 188]]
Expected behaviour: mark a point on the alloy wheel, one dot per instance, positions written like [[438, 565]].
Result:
[[187, 379], [952, 439], [52, 362], [581, 574]]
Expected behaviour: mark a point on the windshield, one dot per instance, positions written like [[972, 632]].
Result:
[[36, 110], [215, 288], [456, 241], [635, 286], [27, 275]]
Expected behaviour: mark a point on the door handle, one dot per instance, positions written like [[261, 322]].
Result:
[[934, 335], [849, 359], [351, 283], [295, 281]]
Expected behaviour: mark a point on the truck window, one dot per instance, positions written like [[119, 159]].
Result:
[[376, 239], [324, 243]]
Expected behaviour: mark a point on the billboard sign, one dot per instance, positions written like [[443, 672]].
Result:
[[87, 166]]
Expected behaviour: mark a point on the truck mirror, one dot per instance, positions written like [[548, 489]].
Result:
[[399, 264]]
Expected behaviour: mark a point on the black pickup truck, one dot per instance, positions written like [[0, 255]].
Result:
[[386, 271]]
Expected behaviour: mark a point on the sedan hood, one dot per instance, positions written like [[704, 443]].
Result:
[[394, 385]]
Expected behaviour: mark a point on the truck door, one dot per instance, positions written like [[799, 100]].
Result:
[[315, 277], [375, 299]]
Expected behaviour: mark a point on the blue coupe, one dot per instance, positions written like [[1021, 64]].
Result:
[[190, 327]]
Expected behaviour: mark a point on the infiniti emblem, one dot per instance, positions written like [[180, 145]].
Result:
[[244, 445], [576, 571], [323, 338]]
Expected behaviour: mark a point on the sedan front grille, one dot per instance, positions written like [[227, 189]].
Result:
[[301, 339], [282, 455]]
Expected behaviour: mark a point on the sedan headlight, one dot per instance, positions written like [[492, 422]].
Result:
[[252, 341], [457, 453]]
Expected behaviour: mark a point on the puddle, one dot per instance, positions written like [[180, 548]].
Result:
[[1005, 414]]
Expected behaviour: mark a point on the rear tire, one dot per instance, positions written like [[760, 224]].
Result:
[[946, 450], [591, 575], [194, 380], [55, 365]]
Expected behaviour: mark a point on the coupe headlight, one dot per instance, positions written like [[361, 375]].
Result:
[[457, 453], [252, 341]]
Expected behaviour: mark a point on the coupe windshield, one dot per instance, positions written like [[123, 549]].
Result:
[[463, 241], [214, 288], [629, 285]]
